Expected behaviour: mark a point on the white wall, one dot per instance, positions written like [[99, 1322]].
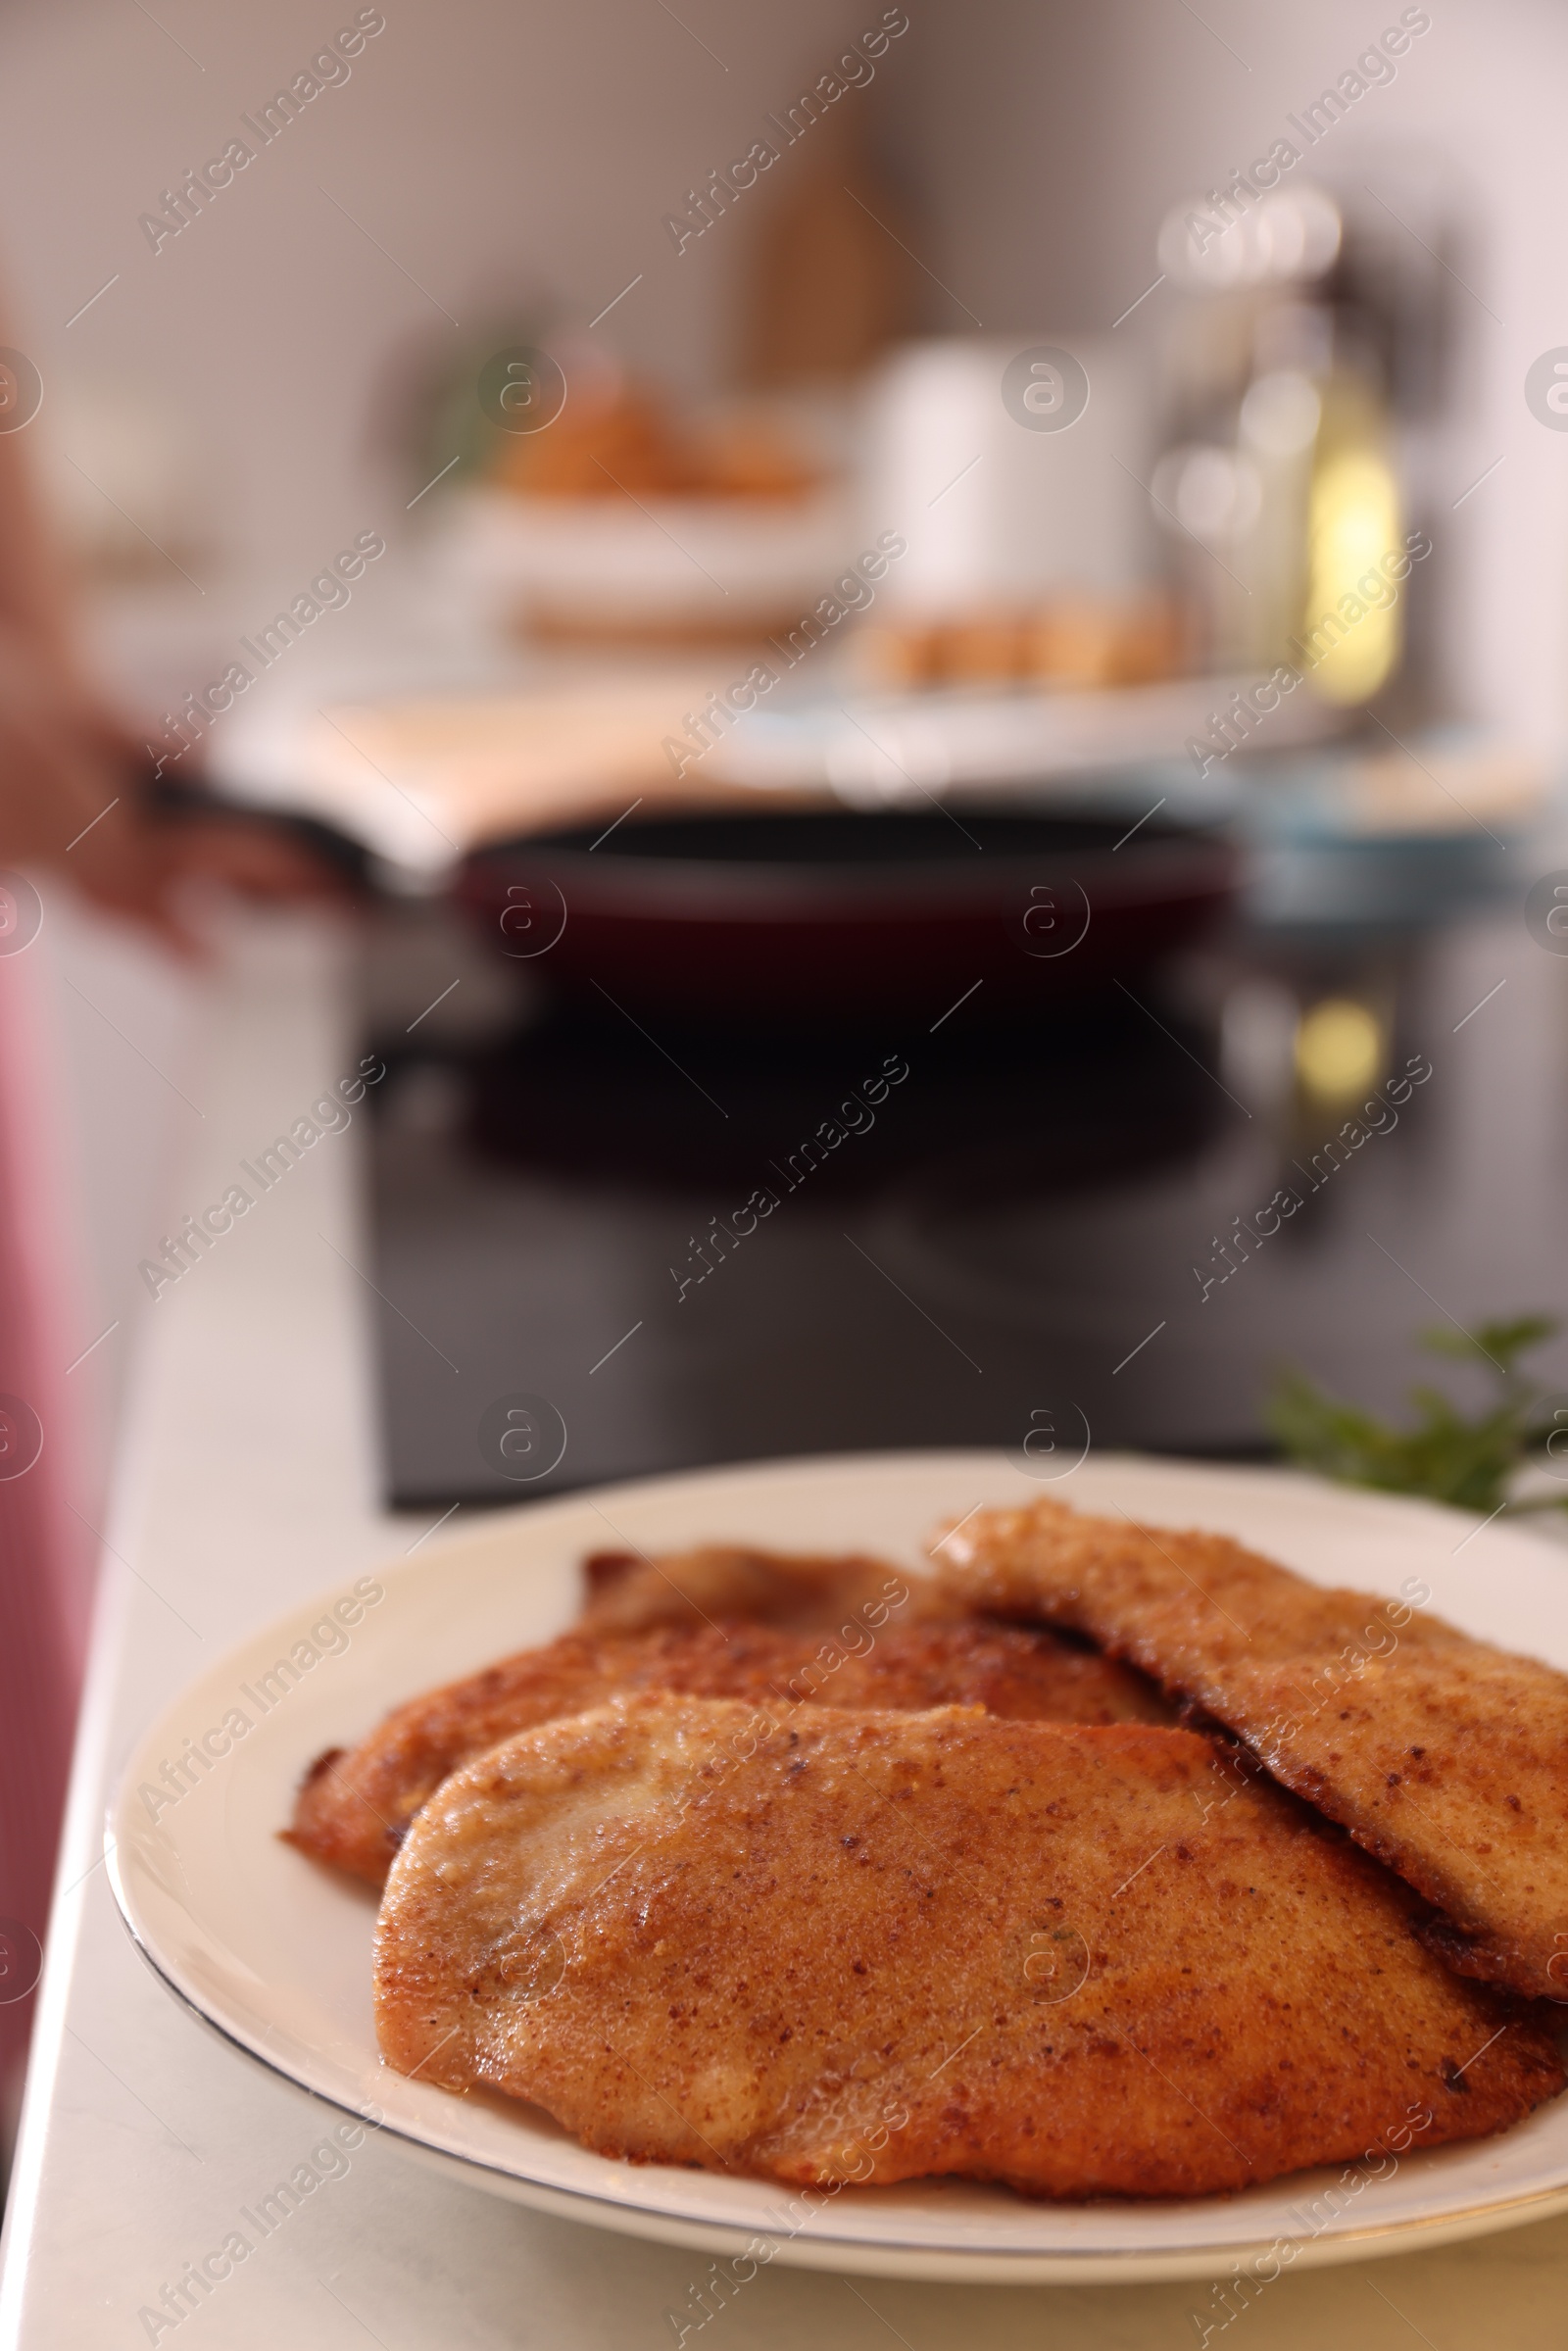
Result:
[[485, 146]]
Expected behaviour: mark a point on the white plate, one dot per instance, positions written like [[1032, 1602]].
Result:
[[270, 1950]]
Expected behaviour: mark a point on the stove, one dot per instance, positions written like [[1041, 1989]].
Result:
[[607, 1244]]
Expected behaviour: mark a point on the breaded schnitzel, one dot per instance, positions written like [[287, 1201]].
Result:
[[1446, 1759], [1080, 1961], [354, 1808], [627, 1590]]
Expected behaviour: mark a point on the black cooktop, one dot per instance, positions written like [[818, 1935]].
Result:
[[608, 1245]]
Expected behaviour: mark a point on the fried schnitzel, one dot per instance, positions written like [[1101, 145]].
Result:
[[355, 1807], [628, 1591], [1443, 1756], [1080, 1961]]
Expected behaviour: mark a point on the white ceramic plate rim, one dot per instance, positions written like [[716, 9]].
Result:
[[935, 2229]]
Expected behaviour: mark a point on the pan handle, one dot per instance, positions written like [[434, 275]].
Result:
[[180, 803]]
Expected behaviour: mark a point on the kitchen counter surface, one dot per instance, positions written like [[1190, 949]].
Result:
[[247, 1481]]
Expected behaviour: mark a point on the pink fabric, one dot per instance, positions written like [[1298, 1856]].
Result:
[[45, 1563]]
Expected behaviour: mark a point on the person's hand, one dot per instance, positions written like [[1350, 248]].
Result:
[[55, 777], [74, 799]]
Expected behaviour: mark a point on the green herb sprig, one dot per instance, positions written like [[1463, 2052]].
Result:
[[1468, 1462]]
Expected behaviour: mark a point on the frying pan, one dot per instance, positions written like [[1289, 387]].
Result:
[[810, 915]]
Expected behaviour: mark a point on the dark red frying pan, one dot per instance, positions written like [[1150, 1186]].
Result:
[[808, 913]]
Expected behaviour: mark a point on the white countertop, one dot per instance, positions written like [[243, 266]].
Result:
[[248, 1481]]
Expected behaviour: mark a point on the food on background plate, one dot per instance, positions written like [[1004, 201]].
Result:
[[629, 441], [1078, 1961], [1075, 640], [355, 1806], [1443, 1756]]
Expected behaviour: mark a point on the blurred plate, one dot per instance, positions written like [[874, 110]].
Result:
[[881, 748], [650, 569], [1389, 832], [275, 1952]]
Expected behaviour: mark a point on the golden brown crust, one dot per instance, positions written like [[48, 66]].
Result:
[[1080, 1961], [628, 1591], [1446, 1759], [354, 1808]]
